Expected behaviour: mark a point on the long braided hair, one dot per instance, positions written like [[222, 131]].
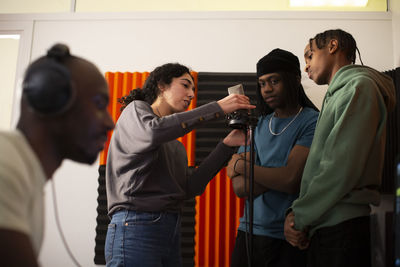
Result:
[[346, 41]]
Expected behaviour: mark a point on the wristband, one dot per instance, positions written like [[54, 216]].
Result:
[[234, 166]]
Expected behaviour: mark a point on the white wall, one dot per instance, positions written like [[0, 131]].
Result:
[[8, 66], [395, 10], [211, 41]]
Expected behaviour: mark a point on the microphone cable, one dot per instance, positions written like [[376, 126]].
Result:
[[59, 226]]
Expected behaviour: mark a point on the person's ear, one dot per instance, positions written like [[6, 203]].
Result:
[[333, 46], [161, 87]]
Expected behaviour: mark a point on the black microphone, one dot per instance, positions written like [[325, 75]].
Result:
[[239, 119]]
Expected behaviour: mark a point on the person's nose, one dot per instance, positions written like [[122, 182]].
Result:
[[306, 67], [191, 94]]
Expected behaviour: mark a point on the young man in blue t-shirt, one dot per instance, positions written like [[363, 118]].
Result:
[[283, 136]]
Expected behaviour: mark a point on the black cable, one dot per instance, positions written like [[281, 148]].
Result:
[[59, 226]]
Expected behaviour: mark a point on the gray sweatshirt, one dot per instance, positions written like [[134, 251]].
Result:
[[147, 167]]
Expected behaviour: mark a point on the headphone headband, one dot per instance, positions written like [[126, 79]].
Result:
[[47, 83]]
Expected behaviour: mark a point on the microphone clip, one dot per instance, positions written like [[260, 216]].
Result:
[[238, 119]]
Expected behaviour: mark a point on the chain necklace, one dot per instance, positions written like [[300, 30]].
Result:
[[270, 122]]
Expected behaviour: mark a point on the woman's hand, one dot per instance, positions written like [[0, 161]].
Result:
[[234, 102]]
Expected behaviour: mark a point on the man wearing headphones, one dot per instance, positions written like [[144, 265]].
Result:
[[63, 116]]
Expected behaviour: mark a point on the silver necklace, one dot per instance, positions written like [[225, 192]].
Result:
[[284, 129]]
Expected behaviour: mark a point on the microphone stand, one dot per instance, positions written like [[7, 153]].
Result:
[[251, 126], [247, 123]]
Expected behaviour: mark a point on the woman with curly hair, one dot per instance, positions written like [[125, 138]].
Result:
[[147, 175]]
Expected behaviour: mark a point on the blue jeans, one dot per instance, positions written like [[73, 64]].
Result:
[[145, 239]]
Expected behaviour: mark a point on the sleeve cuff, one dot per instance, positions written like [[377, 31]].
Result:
[[289, 210]]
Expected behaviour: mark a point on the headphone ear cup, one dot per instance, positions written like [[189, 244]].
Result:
[[49, 89]]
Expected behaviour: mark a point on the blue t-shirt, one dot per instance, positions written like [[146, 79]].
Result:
[[272, 151]]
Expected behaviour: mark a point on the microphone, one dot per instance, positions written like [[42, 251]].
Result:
[[240, 118]]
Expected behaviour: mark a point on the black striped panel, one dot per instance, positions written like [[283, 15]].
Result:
[[214, 86], [392, 139]]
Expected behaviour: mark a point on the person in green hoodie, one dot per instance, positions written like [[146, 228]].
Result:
[[342, 174]]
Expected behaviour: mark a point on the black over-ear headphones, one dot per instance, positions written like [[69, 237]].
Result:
[[47, 83]]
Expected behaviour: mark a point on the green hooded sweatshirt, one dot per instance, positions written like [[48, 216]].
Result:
[[343, 171]]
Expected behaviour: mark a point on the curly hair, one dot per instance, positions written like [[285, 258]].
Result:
[[150, 90], [346, 41], [293, 93]]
